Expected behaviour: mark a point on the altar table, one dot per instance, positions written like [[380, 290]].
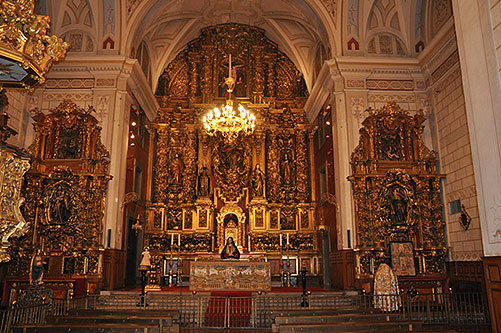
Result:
[[230, 275]]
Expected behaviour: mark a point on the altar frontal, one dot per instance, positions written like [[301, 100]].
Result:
[[230, 275]]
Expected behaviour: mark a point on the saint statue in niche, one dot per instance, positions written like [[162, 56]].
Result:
[[59, 206], [37, 270], [257, 182], [240, 87], [204, 183], [230, 250], [176, 170], [398, 207], [286, 170]]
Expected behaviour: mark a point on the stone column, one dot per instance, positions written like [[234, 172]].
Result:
[[483, 104], [118, 134]]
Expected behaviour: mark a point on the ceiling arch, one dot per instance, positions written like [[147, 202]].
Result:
[[296, 26]]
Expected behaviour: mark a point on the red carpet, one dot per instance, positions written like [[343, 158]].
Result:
[[229, 309]]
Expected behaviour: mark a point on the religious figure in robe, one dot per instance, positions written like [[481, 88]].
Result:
[[230, 250], [37, 270], [204, 183], [240, 87], [146, 260], [398, 208], [258, 182], [59, 207], [176, 170], [286, 170]]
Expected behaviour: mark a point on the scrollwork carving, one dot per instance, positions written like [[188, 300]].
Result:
[[65, 191], [396, 190]]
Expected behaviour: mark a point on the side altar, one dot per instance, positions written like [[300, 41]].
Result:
[[230, 275]]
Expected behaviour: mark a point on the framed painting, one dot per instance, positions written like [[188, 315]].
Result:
[[402, 258]]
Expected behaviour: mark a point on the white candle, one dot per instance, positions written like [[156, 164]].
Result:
[[287, 238], [178, 240], [171, 239], [248, 243], [280, 240]]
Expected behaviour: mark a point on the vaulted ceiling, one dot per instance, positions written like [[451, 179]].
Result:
[[308, 31]]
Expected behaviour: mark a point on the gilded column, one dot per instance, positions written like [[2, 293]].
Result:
[[302, 166], [190, 158], [273, 172], [194, 60], [270, 63], [207, 51], [258, 78]]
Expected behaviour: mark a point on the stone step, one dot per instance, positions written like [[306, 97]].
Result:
[[174, 314], [87, 328], [365, 326], [319, 312], [345, 317], [161, 320]]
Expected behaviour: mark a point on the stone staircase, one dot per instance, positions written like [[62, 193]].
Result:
[[349, 319], [126, 321]]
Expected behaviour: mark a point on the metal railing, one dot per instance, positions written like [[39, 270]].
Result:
[[30, 314], [259, 311]]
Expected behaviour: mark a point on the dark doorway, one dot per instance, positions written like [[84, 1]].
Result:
[[131, 264]]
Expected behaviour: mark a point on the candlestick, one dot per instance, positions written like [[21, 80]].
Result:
[[229, 66]]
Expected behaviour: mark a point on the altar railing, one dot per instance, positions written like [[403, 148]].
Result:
[[259, 311]]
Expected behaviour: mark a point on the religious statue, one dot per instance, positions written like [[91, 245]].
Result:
[[286, 170], [204, 183], [240, 87], [230, 250], [386, 289], [146, 260], [257, 182], [176, 170], [59, 206], [398, 211], [301, 89], [37, 270]]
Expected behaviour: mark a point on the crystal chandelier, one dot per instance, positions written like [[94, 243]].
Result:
[[227, 121]]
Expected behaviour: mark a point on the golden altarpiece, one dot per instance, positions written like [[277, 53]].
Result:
[[65, 194], [257, 188], [396, 191], [13, 165]]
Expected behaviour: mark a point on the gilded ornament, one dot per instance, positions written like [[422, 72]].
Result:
[[65, 192], [206, 188], [26, 49], [396, 191]]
